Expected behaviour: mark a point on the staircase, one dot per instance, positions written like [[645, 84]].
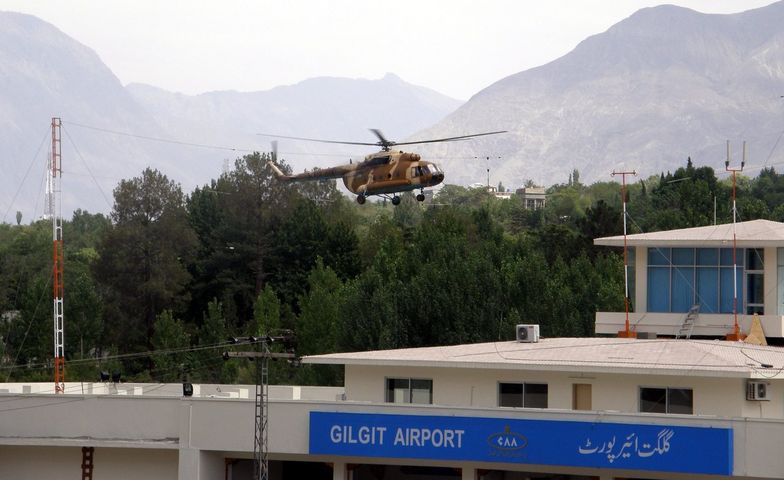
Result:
[[688, 322]]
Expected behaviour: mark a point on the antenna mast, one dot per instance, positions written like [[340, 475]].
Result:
[[735, 335], [626, 332], [55, 209]]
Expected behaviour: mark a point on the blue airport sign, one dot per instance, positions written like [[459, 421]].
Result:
[[628, 446]]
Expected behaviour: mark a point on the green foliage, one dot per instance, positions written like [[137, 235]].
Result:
[[142, 259], [248, 255], [209, 367], [169, 338]]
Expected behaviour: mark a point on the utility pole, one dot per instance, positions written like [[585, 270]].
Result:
[[261, 356], [626, 333], [735, 335], [54, 208], [487, 160]]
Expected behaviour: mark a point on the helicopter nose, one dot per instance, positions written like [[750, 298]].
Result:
[[438, 178]]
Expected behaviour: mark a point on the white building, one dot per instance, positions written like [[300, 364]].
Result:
[[562, 408], [675, 270]]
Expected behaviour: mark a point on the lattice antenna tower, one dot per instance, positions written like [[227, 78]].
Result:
[[54, 209]]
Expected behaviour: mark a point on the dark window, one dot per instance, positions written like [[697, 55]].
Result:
[[409, 390], [680, 400], [755, 284], [528, 395], [666, 400], [510, 395]]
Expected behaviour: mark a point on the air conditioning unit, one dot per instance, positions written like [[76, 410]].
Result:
[[528, 333], [757, 391]]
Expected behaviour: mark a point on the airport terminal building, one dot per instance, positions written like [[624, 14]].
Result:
[[602, 408]]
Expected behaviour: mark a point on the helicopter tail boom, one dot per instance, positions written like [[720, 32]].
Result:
[[278, 172], [315, 174]]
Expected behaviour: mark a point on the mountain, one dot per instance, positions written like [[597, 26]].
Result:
[[108, 128], [659, 86], [326, 108], [44, 73]]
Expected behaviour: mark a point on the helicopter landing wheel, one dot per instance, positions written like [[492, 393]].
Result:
[[395, 200], [420, 197], [361, 199]]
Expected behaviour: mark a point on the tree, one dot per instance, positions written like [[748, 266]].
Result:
[[237, 218], [142, 259], [213, 332], [18, 218], [169, 340], [318, 323]]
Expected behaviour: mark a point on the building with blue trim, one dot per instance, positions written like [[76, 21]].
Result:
[[673, 271], [665, 408]]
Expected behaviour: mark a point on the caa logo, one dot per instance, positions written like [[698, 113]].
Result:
[[507, 441]]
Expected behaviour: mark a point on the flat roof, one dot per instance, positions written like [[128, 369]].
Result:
[[754, 233], [698, 358]]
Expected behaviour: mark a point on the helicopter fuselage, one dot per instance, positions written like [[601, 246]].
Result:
[[389, 172], [381, 173]]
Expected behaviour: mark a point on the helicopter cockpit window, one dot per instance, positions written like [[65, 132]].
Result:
[[425, 170]]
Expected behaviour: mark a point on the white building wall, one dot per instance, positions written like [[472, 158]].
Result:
[[724, 397], [641, 280], [770, 275], [64, 463], [215, 427]]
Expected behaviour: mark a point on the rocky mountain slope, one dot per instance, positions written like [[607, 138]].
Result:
[[44, 74], [663, 84]]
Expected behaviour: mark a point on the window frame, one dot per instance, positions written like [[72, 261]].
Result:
[[523, 394], [410, 391], [667, 403], [750, 276], [686, 276]]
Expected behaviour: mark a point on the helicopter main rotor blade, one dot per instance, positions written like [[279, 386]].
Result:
[[451, 139], [382, 141], [317, 140]]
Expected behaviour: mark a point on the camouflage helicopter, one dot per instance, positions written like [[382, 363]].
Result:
[[383, 173]]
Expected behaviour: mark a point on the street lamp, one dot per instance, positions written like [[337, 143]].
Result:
[[487, 158]]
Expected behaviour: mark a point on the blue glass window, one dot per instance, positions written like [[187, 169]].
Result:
[[659, 256], [658, 289], [708, 289], [708, 256], [726, 257], [682, 289], [683, 256], [726, 289], [681, 277]]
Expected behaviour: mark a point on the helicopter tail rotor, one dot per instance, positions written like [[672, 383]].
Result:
[[277, 171], [273, 163]]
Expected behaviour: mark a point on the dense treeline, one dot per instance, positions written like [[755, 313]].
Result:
[[155, 289]]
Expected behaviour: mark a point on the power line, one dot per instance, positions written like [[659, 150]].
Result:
[[21, 184], [76, 149], [162, 140], [125, 356]]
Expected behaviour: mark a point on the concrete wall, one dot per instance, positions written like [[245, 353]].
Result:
[[209, 430], [725, 397], [64, 463], [667, 324]]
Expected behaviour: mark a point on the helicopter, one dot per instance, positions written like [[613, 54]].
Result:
[[384, 173]]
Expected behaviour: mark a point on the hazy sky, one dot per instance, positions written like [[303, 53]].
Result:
[[456, 47]]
